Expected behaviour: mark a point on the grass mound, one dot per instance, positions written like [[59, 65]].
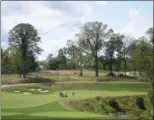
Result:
[[133, 107]]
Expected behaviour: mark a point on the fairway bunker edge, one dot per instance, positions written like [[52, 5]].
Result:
[[27, 93], [16, 91], [32, 89], [44, 91]]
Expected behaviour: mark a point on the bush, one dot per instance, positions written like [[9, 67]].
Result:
[[121, 75], [111, 74], [150, 94], [114, 104], [38, 80], [98, 98], [140, 103]]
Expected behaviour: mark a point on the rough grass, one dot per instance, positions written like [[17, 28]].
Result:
[[67, 76], [125, 105]]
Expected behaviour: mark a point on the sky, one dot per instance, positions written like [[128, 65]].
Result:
[[58, 21]]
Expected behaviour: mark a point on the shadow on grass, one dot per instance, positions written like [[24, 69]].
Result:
[[28, 117]]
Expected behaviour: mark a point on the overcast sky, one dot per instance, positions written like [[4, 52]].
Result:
[[57, 22]]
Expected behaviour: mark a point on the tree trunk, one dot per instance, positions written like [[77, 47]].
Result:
[[111, 66], [81, 71], [96, 65], [140, 73], [24, 50], [125, 64], [118, 69], [73, 65], [73, 59], [81, 61], [24, 74], [125, 68], [134, 73]]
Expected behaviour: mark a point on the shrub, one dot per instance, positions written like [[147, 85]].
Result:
[[111, 74], [150, 94], [37, 80], [113, 103], [140, 103], [98, 98], [109, 109]]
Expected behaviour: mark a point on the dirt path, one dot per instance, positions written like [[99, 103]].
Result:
[[13, 85]]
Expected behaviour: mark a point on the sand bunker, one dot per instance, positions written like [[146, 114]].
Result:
[[39, 89], [32, 89], [27, 93], [44, 91], [16, 91]]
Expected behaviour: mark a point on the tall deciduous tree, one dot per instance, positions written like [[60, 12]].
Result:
[[62, 58], [80, 52], [150, 34], [112, 46], [25, 36], [126, 41], [71, 52], [94, 34]]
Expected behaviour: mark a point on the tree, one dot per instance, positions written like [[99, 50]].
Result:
[[5, 60], [112, 46], [131, 53], [119, 51], [62, 58], [25, 37], [80, 52], [52, 62], [94, 34], [150, 34], [142, 57], [43, 64], [71, 52], [126, 41]]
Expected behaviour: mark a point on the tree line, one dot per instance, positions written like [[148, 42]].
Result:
[[95, 47]]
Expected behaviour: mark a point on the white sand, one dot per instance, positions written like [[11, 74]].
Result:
[[39, 89], [27, 93], [16, 91], [32, 89], [44, 91]]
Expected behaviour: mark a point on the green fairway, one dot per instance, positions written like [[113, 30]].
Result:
[[50, 105]]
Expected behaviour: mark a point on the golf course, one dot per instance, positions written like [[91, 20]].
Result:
[[40, 101], [77, 60]]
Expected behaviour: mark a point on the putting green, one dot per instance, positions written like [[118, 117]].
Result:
[[69, 114]]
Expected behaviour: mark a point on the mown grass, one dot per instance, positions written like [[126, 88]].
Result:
[[49, 106], [38, 106], [132, 87], [35, 117]]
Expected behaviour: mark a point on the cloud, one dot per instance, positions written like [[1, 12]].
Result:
[[58, 21], [54, 25], [138, 24]]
